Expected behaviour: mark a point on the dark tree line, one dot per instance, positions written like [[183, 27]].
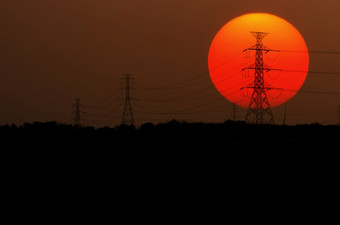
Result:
[[196, 161]]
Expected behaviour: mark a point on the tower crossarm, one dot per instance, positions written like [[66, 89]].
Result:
[[265, 68], [264, 88], [264, 49]]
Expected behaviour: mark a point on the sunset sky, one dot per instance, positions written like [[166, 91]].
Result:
[[231, 76], [53, 51]]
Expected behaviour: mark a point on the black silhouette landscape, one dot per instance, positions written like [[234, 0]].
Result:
[[50, 161]]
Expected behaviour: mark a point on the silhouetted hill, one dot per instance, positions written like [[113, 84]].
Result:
[[163, 162]]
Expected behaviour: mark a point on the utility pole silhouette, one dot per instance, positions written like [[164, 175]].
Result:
[[128, 117], [285, 115], [77, 118], [339, 116], [234, 112], [259, 110]]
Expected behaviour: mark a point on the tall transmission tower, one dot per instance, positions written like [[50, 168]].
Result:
[[128, 117], [259, 110], [77, 118]]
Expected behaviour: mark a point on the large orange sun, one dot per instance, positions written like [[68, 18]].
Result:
[[227, 58]]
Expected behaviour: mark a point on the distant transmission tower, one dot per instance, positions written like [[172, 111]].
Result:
[[127, 117], [77, 118], [259, 110]]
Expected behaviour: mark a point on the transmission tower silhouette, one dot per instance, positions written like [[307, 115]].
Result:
[[259, 110], [77, 118], [128, 117]]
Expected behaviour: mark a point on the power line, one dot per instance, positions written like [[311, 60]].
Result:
[[306, 71], [189, 110], [102, 112], [175, 85], [182, 112], [185, 97], [312, 52], [97, 106], [170, 86], [312, 91]]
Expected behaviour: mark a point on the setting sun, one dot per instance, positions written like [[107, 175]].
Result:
[[285, 68]]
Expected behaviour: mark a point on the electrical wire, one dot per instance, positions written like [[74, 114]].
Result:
[[189, 110], [103, 113], [312, 52], [185, 97], [195, 76]]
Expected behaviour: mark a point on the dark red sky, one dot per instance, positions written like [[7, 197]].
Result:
[[53, 51]]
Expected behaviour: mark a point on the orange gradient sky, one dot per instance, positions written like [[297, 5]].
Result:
[[56, 51], [226, 58]]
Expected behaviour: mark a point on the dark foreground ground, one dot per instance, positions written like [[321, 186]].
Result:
[[231, 164]]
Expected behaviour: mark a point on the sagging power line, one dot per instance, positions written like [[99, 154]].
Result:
[[199, 87]]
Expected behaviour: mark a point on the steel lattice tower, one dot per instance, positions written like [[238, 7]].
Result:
[[77, 118], [128, 117], [259, 110]]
